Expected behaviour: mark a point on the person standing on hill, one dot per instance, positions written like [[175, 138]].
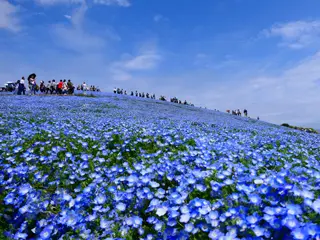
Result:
[[33, 85], [64, 87], [42, 87], [60, 86], [21, 87], [48, 87], [70, 87], [84, 86], [53, 87]]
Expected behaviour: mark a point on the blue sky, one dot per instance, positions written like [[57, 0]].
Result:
[[223, 54]]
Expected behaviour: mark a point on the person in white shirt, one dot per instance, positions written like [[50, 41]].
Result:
[[21, 87], [64, 87], [84, 86], [53, 87], [33, 86], [48, 86]]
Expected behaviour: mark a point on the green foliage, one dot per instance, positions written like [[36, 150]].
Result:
[[309, 130]]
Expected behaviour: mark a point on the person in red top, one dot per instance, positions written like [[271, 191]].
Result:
[[60, 85]]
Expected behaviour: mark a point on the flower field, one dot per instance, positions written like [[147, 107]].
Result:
[[117, 167]]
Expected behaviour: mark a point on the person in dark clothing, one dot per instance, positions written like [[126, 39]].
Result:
[[21, 87], [70, 87], [136, 93], [131, 93], [42, 87]]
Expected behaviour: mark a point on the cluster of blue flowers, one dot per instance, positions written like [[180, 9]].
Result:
[[119, 168]]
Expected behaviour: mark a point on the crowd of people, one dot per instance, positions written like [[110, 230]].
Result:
[[84, 87], [238, 112], [142, 95], [62, 87], [147, 95]]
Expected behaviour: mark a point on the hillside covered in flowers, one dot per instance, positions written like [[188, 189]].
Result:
[[115, 167]]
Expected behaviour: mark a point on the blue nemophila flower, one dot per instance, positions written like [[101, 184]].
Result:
[[154, 184], [172, 222], [104, 223], [316, 206], [184, 218], [215, 234], [201, 187], [258, 181], [66, 197], [46, 232], [20, 236], [162, 210], [255, 199], [228, 181], [24, 209], [132, 179], [136, 221], [300, 234], [290, 222], [189, 227], [158, 226], [121, 207], [307, 194], [91, 217], [294, 209], [70, 218], [312, 229], [9, 199], [269, 210], [213, 215], [100, 199], [258, 231], [24, 189], [253, 219]]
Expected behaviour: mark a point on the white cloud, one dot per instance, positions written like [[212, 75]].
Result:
[[122, 3], [67, 16], [75, 37], [8, 18], [159, 17], [53, 2], [120, 75], [292, 96], [148, 60], [145, 61], [297, 34]]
